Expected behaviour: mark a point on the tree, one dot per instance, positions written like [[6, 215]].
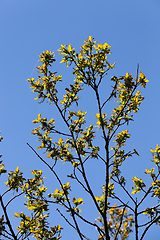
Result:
[[117, 216]]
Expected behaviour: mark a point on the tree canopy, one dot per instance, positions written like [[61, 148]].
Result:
[[78, 146]]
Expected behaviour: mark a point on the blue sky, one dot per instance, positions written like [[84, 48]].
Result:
[[30, 27]]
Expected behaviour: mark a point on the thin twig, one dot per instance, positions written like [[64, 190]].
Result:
[[8, 190], [146, 229], [6, 236], [149, 190], [149, 208], [65, 134], [123, 204], [70, 223], [143, 225], [137, 72], [124, 190], [14, 198], [121, 220], [101, 158], [7, 219], [111, 95], [80, 181]]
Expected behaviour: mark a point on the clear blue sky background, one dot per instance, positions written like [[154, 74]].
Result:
[[27, 28]]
